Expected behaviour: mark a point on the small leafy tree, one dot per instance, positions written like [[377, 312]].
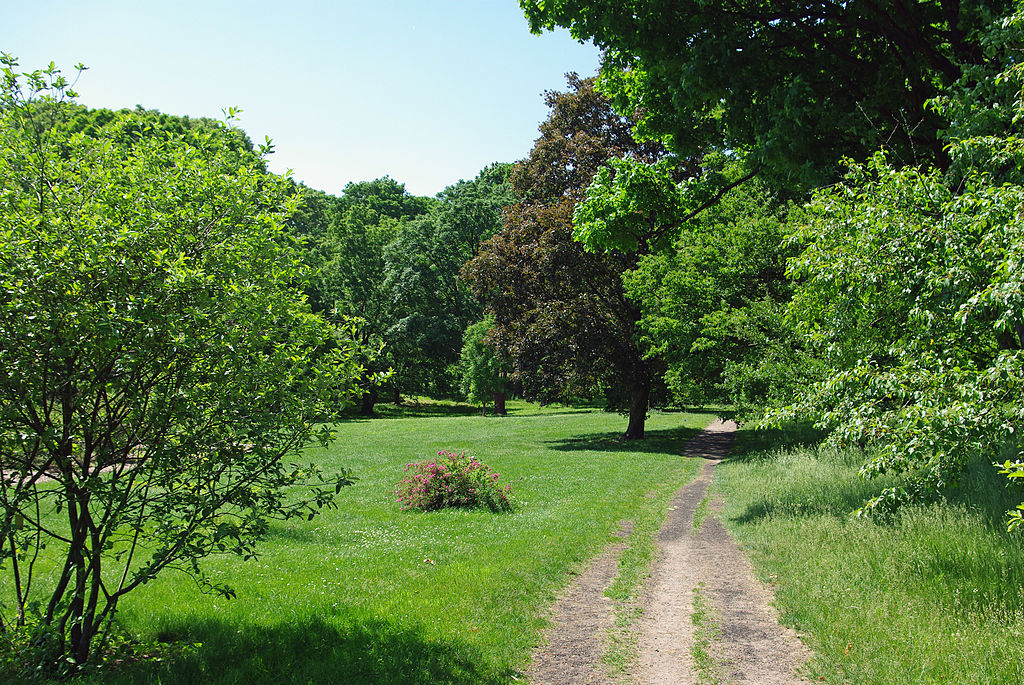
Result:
[[483, 375], [158, 361]]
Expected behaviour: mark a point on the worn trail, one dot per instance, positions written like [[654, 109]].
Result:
[[750, 647]]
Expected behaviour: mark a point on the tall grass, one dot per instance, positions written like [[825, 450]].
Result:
[[368, 593], [932, 594]]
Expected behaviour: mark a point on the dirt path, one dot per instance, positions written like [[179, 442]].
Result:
[[750, 645], [737, 635]]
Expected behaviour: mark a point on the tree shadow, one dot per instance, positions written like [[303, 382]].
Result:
[[413, 410], [760, 444], [664, 441], [352, 650]]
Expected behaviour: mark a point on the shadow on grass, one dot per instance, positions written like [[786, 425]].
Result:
[[761, 444], [412, 410], [666, 441], [312, 651]]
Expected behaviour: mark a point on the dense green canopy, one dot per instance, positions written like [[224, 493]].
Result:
[[799, 84]]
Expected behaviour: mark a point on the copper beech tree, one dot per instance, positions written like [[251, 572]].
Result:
[[560, 313]]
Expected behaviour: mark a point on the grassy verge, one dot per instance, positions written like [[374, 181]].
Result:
[[370, 594], [931, 595]]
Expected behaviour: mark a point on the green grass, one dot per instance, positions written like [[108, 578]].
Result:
[[707, 629], [701, 513], [930, 595], [371, 594]]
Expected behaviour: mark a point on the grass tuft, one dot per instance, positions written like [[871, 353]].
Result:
[[707, 629]]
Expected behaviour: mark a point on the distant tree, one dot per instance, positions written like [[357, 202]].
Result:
[[433, 304], [483, 375], [561, 315], [344, 243], [383, 197], [158, 364]]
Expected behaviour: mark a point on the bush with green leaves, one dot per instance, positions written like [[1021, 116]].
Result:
[[159, 364], [910, 289], [452, 480]]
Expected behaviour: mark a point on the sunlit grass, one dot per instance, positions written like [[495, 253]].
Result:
[[931, 595], [368, 593]]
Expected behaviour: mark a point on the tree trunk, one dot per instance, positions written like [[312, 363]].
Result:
[[397, 397], [499, 402], [369, 399], [638, 400]]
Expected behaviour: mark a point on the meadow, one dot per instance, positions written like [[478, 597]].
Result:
[[369, 593]]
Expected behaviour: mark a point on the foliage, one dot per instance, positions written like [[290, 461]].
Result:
[[452, 480], [483, 374], [911, 292], [710, 279], [799, 85], [561, 316], [433, 304], [344, 243], [158, 363]]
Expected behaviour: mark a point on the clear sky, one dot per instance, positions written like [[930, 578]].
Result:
[[425, 91]]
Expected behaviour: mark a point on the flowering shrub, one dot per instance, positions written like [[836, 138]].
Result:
[[452, 480]]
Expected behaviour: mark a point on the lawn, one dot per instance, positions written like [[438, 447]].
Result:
[[369, 593], [930, 595]]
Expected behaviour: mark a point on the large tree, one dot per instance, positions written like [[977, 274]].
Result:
[[713, 290], [344, 241], [799, 85], [159, 364], [561, 315], [433, 304]]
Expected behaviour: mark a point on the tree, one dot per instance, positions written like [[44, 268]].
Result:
[[909, 287], [345, 241], [799, 85], [159, 365], [483, 376], [433, 305], [561, 315], [713, 291]]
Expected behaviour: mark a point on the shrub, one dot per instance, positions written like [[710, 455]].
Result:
[[452, 480]]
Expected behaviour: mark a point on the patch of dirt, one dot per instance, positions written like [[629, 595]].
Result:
[[751, 648], [580, 619]]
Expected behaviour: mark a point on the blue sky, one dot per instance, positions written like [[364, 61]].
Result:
[[426, 91]]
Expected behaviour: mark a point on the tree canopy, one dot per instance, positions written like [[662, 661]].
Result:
[[798, 85]]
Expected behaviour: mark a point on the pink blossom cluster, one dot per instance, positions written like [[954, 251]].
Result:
[[452, 480]]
